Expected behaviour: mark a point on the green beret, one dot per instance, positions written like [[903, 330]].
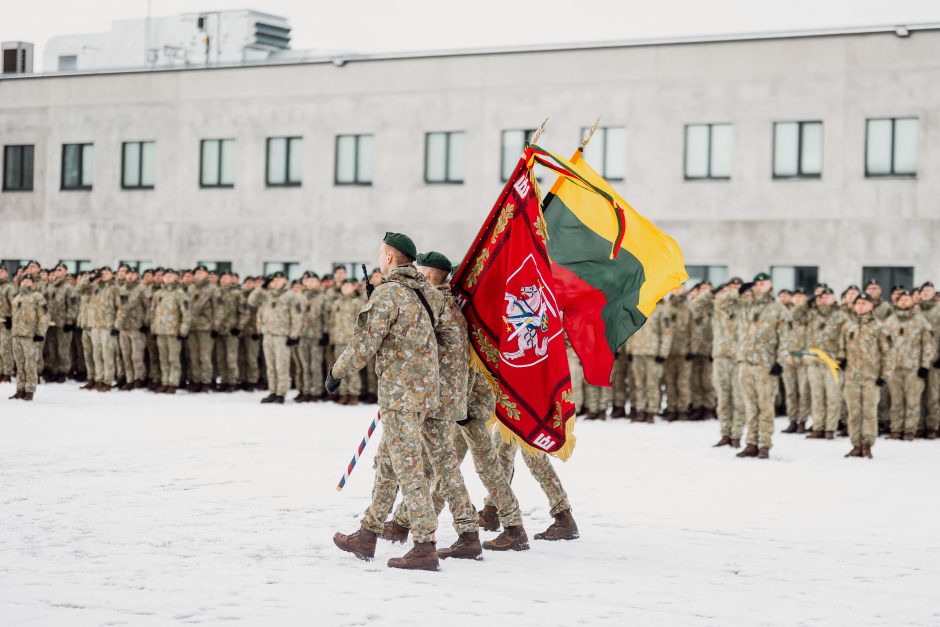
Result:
[[402, 243], [866, 297], [434, 260], [761, 276]]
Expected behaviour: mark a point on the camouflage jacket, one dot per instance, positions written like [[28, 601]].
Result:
[[680, 318], [169, 311], [63, 303], [883, 310], [250, 321], [395, 327], [30, 313], [701, 308], [453, 355], [866, 348], [797, 331], [203, 305], [279, 312], [84, 304], [481, 399], [654, 338], [232, 309], [102, 304], [824, 329], [329, 296], [312, 327], [931, 312], [911, 339], [133, 309], [725, 316], [7, 292], [343, 313], [763, 340]]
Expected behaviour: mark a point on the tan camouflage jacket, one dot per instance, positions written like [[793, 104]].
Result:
[[654, 338], [763, 340], [725, 317], [680, 318], [343, 314], [866, 347], [454, 357], [312, 327], [169, 311], [232, 309], [249, 326], [63, 303], [203, 305], [279, 312], [702, 308], [30, 313], [133, 309], [7, 292], [103, 303], [395, 327], [824, 329], [931, 312], [911, 339], [329, 296], [797, 332], [84, 304], [481, 399]]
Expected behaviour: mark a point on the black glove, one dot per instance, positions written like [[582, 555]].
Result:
[[775, 370], [234, 332], [8, 323], [331, 384], [114, 332], [38, 338], [68, 328], [629, 357], [936, 364], [255, 337], [181, 338], [214, 334], [880, 382], [659, 359], [292, 341], [922, 373], [842, 364], [325, 339], [689, 356], [145, 329], [465, 421]]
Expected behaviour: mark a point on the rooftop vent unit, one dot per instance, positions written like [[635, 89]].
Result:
[[271, 37], [17, 57]]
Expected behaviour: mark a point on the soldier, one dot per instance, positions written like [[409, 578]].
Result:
[[882, 309], [204, 305], [795, 380], [344, 311], [761, 350], [63, 309], [250, 339], [151, 281], [30, 322], [823, 330], [7, 293], [931, 311], [725, 319], [913, 354], [866, 360], [279, 321], [309, 350], [170, 320], [596, 401], [649, 347], [701, 307], [131, 321], [230, 317], [677, 370], [83, 322], [102, 310]]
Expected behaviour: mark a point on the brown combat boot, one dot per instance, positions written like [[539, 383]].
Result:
[[618, 412], [27, 396], [830, 435], [488, 518], [749, 451], [816, 435], [724, 441], [931, 435], [103, 387], [763, 453], [564, 528], [19, 394], [866, 451], [791, 428], [361, 543], [393, 532], [735, 442], [466, 547], [89, 386], [855, 452], [513, 538], [801, 428], [895, 435], [423, 556], [909, 437]]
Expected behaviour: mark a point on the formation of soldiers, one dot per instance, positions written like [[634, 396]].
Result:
[[739, 353]]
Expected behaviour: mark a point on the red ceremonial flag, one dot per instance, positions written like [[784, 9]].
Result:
[[507, 293]]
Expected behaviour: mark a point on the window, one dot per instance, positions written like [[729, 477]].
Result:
[[17, 168], [888, 277], [68, 62], [607, 151], [136, 264], [444, 157], [216, 266], [290, 268], [891, 147], [78, 162], [797, 150], [12, 265], [138, 165], [713, 274], [75, 266], [353, 160], [792, 277], [285, 161], [217, 163], [511, 148], [708, 151]]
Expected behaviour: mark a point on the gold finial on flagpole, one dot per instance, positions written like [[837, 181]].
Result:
[[538, 132], [587, 138]]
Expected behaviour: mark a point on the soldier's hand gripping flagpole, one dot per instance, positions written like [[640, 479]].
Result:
[[358, 453]]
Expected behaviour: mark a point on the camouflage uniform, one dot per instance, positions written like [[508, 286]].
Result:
[[279, 319], [795, 376], [912, 345], [700, 345], [652, 340], [169, 321], [83, 321], [203, 306], [7, 293], [102, 309], [310, 352], [229, 321], [866, 348], [618, 378], [762, 344], [395, 327], [596, 398], [30, 321], [63, 309], [131, 317], [540, 467], [824, 330], [152, 353], [930, 311], [251, 344], [343, 315], [726, 316], [677, 371], [577, 376]]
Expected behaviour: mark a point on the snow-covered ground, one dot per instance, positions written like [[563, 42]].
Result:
[[131, 508]]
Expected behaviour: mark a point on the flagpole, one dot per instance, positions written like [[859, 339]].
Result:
[[587, 138], [358, 453]]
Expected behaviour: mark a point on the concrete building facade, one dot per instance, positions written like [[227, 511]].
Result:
[[862, 205]]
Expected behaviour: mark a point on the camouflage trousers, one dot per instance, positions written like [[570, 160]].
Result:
[[677, 372], [400, 462], [826, 396], [596, 397], [352, 384], [905, 389], [133, 344], [310, 355], [758, 389], [540, 467], [199, 347], [862, 398], [932, 400], [646, 375], [618, 380], [796, 389], [103, 354], [728, 396], [277, 362], [169, 348], [153, 358], [702, 392], [26, 354], [251, 354], [58, 350], [577, 379], [227, 364], [88, 353], [6, 351]]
